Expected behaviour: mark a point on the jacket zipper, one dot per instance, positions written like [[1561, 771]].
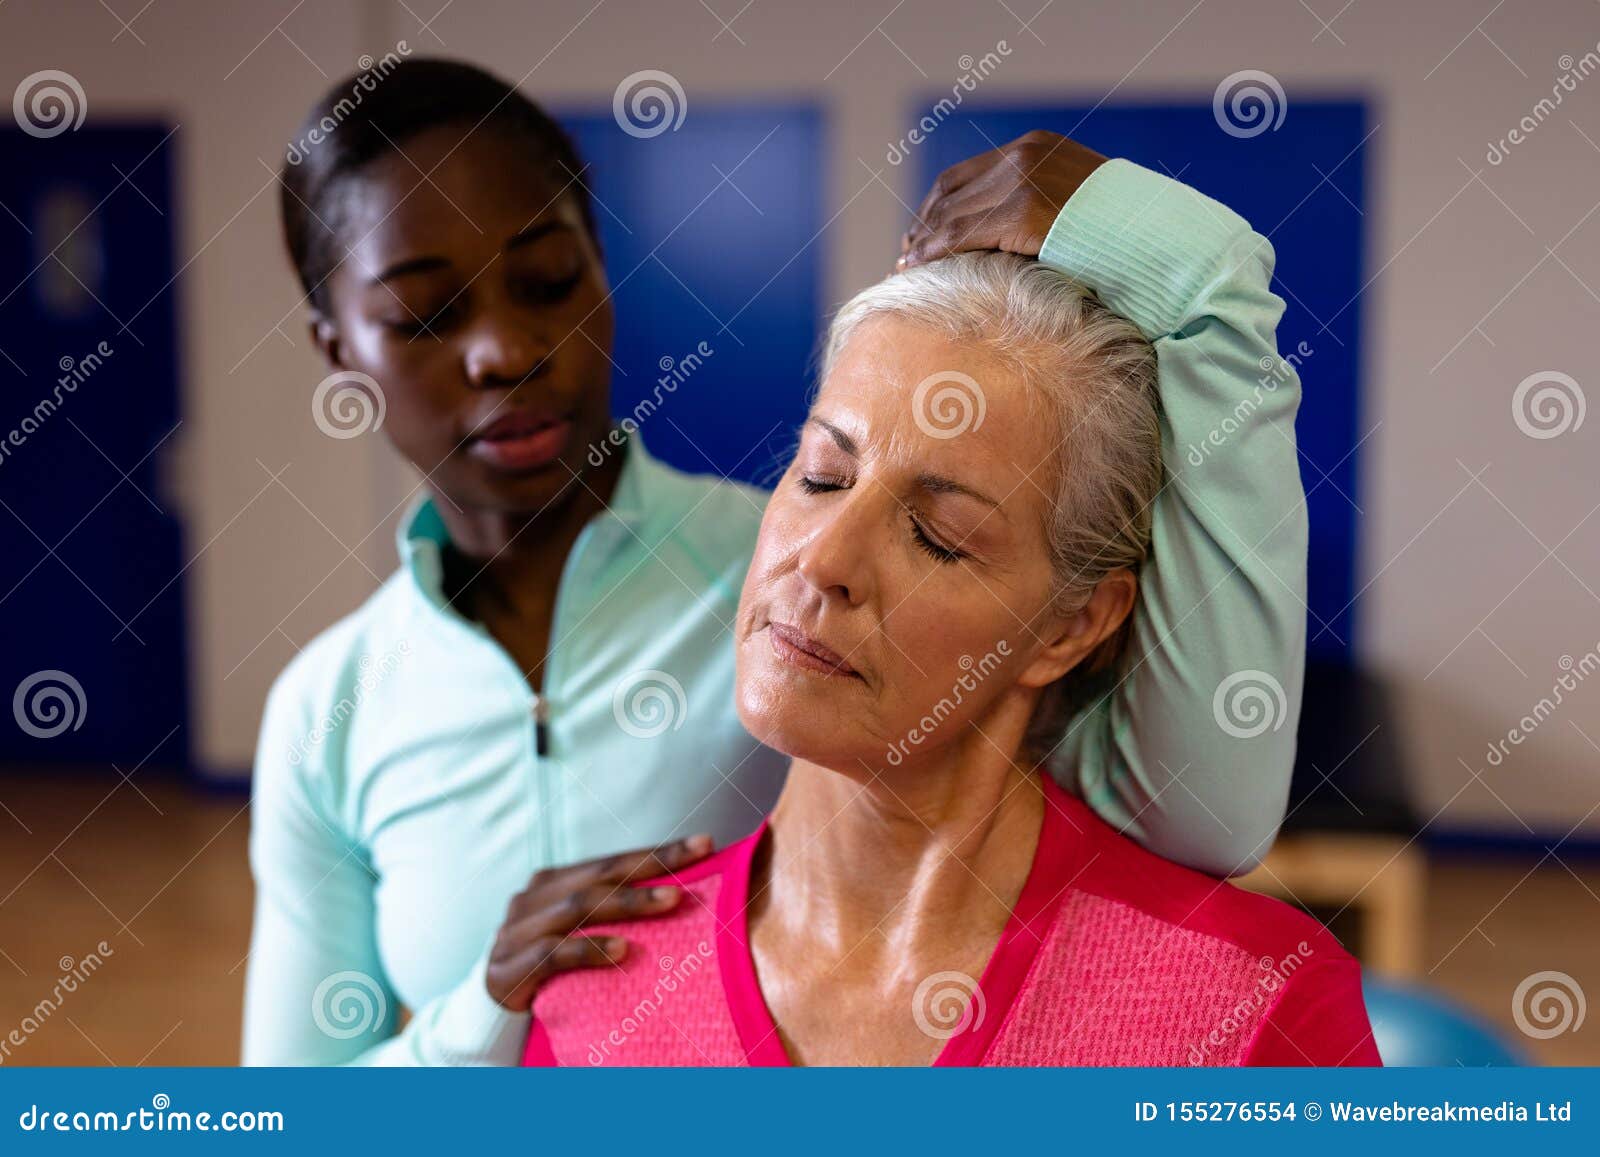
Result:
[[541, 725]]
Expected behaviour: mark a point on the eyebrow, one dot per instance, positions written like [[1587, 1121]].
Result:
[[410, 266], [428, 264], [930, 482], [533, 232]]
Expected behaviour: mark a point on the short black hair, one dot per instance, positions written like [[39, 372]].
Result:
[[371, 113]]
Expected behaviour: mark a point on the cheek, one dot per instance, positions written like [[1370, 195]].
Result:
[[783, 529], [951, 640]]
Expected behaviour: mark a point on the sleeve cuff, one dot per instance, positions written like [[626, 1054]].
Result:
[[1148, 245], [471, 1029]]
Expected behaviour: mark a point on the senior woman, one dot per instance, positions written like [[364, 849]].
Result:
[[945, 902], [432, 769]]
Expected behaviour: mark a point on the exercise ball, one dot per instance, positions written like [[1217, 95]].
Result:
[[1416, 1027]]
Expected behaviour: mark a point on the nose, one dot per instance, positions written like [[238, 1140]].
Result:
[[836, 557], [503, 351]]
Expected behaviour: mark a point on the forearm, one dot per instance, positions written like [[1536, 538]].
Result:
[[1167, 756]]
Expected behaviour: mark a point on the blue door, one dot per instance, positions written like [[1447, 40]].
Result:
[[92, 654]]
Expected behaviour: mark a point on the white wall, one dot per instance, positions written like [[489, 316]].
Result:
[[1466, 611]]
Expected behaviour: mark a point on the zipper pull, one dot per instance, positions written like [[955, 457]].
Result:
[[541, 725]]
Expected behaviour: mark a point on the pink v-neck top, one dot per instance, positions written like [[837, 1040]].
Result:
[[1112, 956]]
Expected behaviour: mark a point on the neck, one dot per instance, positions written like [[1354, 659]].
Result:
[[922, 864], [510, 562]]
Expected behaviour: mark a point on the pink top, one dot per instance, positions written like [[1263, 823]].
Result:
[[1112, 956]]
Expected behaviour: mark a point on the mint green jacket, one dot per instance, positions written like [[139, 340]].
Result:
[[408, 781]]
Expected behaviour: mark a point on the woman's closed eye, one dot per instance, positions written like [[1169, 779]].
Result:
[[924, 539], [931, 546], [423, 322], [548, 290]]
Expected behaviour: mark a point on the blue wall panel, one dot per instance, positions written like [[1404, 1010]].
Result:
[[711, 233]]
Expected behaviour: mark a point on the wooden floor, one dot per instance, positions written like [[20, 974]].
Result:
[[158, 873]]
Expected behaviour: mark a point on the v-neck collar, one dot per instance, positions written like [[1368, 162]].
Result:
[[1063, 839]]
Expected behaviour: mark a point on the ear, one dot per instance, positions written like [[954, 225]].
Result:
[[1075, 638], [325, 336]]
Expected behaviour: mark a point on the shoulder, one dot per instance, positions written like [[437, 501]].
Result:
[[665, 1002], [1209, 907], [326, 679]]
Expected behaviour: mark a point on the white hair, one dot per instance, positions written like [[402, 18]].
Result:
[[1095, 374]]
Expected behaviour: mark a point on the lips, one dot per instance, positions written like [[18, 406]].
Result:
[[522, 440], [799, 649]]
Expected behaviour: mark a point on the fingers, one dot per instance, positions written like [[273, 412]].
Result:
[[643, 863], [597, 903], [955, 178], [976, 219], [513, 981]]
